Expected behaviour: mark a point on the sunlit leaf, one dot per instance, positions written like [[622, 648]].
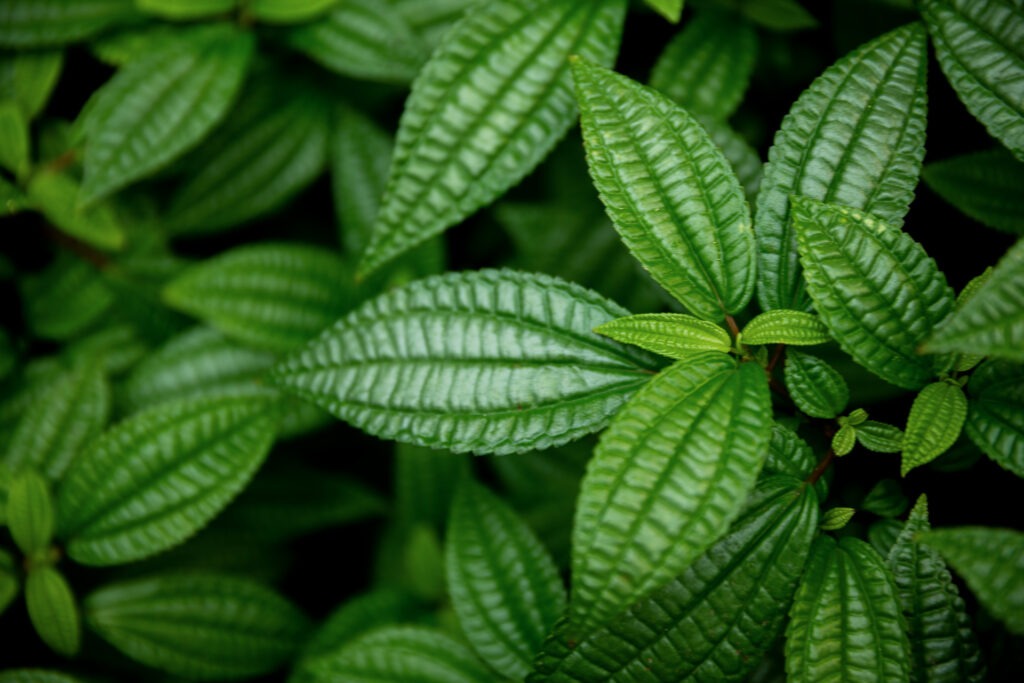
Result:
[[671, 334]]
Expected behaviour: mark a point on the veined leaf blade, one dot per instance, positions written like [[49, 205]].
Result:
[[782, 326], [45, 23], [984, 186], [934, 424], [53, 611], [995, 415], [675, 335], [816, 387]]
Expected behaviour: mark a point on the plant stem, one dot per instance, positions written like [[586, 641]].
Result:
[[733, 327], [822, 466]]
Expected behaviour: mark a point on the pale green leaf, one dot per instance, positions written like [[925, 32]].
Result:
[[14, 142], [200, 626], [667, 478], [42, 23], [834, 519], [52, 609], [874, 287], [30, 513], [980, 47], [670, 9], [272, 295], [883, 535], [935, 420], [992, 562], [28, 78], [35, 676], [885, 498], [161, 105], [715, 620], [425, 483], [289, 11], [490, 104], [995, 417], [984, 185], [669, 191], [845, 623], [992, 321], [855, 137], [815, 386], [9, 586], [56, 196], [503, 584], [880, 437], [675, 335], [844, 440], [65, 299], [186, 9], [488, 361], [782, 326], [156, 478], [12, 200], [942, 643]]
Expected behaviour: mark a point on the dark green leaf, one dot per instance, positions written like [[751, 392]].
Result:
[[782, 326], [422, 564], [983, 185], [667, 478], [360, 157], [934, 424], [885, 498], [28, 78], [880, 437], [432, 20], [8, 580], [35, 676], [30, 513], [742, 157], [789, 454], [836, 518], [995, 418], [779, 15], [42, 23], [65, 299], [289, 11], [425, 483], [675, 335], [186, 9], [883, 535], [815, 386], [52, 609], [56, 196], [14, 142]]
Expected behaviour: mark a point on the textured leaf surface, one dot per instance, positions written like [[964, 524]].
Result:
[[836, 518], [815, 386], [201, 626], [782, 326], [855, 137], [995, 418], [41, 23], [980, 47], [666, 480], [360, 157], [671, 334], [670, 9], [30, 513], [185, 9], [669, 191], [983, 185], [56, 196], [715, 620], [942, 643], [155, 479], [490, 361], [845, 623], [274, 295], [28, 78], [288, 11], [742, 157], [934, 424], [880, 437], [503, 584], [992, 563], [992, 321], [161, 105], [485, 110], [874, 287], [52, 609]]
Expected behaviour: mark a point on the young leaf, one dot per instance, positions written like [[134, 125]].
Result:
[[28, 78], [155, 479], [844, 440], [52, 609], [845, 623], [425, 484], [273, 295], [30, 513], [666, 480], [8, 581], [874, 287], [782, 326], [161, 105], [934, 424], [360, 155], [503, 584], [789, 454], [670, 9], [992, 321], [815, 386], [490, 104], [288, 11], [992, 562], [55, 195], [942, 643], [489, 361], [880, 437], [983, 185], [980, 47], [669, 191], [44, 23], [995, 417], [182, 10], [855, 137], [14, 139], [199, 626], [671, 334], [713, 621], [836, 518]]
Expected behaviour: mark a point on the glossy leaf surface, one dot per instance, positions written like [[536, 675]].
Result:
[[782, 326], [670, 334], [815, 386], [936, 418], [995, 417], [983, 185]]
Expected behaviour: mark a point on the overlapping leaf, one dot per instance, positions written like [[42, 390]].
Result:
[[855, 137], [934, 424], [874, 287], [815, 386], [52, 609], [65, 299], [666, 480], [288, 11], [880, 437], [485, 110], [671, 334], [360, 157], [425, 484], [670, 9], [56, 196], [43, 23], [984, 185], [995, 417], [432, 20], [491, 361], [28, 78]]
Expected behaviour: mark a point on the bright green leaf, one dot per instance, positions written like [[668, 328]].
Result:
[[782, 326], [56, 196], [186, 9], [52, 609], [885, 498], [28, 78], [984, 185], [880, 437], [883, 535], [43, 23], [855, 137], [30, 513], [670, 9], [14, 142], [789, 454], [844, 440], [995, 417], [667, 478], [834, 519], [288, 11], [425, 483], [815, 386], [675, 335], [934, 424]]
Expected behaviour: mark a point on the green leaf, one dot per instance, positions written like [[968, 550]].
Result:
[[490, 104], [28, 78], [874, 287], [885, 498], [815, 386], [161, 105], [425, 483], [35, 676], [845, 623], [156, 478], [742, 157], [836, 518], [789, 454], [980, 47], [201, 626], [669, 191], [995, 417], [488, 361], [942, 643], [844, 440], [992, 563], [129, 43], [666, 480], [778, 15], [363, 39], [855, 137], [671, 334], [782, 326], [14, 142], [288, 11], [402, 654], [992, 321], [706, 67], [360, 156], [883, 535], [670, 9], [52, 609], [272, 295], [30, 513], [8, 581], [934, 424], [11, 198], [715, 620], [880, 437], [984, 186], [42, 23], [186, 9], [503, 584], [56, 196]]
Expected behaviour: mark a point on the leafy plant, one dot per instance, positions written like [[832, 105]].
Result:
[[774, 365]]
